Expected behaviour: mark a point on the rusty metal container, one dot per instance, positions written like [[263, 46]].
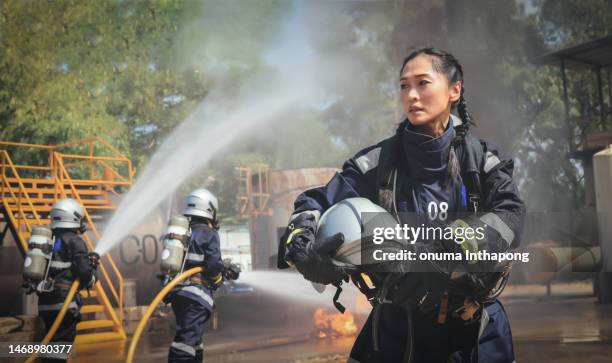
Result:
[[284, 187]]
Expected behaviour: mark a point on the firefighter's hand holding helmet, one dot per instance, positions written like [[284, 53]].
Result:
[[327, 251], [310, 256]]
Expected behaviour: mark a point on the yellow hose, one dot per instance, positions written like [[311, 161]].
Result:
[[58, 319], [145, 318]]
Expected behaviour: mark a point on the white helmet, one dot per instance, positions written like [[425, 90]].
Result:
[[202, 203], [67, 213], [356, 219]]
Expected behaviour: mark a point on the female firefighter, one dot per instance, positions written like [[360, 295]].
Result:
[[432, 158]]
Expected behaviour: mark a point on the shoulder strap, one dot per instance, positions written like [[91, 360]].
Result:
[[471, 158], [387, 162], [57, 244]]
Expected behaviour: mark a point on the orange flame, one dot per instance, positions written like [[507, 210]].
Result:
[[334, 324]]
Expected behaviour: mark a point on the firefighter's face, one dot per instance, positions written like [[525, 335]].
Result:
[[426, 94]]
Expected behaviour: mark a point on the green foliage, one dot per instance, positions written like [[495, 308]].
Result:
[[569, 22], [115, 69], [553, 180], [77, 69]]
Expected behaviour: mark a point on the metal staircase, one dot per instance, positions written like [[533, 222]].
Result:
[[93, 172]]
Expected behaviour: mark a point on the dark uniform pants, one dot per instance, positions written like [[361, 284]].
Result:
[[495, 344], [49, 305], [432, 342], [191, 316]]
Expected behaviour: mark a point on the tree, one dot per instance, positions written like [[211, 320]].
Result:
[[552, 178], [125, 71]]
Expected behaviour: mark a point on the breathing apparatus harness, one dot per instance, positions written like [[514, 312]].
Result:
[[42, 245], [177, 242], [37, 262]]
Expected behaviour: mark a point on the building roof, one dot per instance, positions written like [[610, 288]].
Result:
[[594, 53]]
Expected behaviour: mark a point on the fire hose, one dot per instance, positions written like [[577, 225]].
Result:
[[58, 319], [143, 322]]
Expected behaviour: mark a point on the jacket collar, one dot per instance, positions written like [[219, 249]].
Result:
[[427, 156]]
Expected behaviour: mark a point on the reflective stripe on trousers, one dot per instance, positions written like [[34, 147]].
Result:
[[186, 348], [199, 293]]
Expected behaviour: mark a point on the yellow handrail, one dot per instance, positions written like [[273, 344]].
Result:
[[22, 241], [93, 160], [16, 223], [22, 188], [109, 308], [7, 162], [109, 146], [89, 140], [118, 297], [32, 167], [106, 165], [86, 182], [23, 144], [58, 319], [145, 318], [86, 157]]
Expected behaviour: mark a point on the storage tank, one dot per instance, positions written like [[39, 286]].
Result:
[[602, 167]]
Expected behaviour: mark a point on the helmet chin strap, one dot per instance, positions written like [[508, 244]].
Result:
[[82, 225], [215, 222]]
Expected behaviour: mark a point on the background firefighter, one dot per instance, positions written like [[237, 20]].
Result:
[[70, 261], [192, 301]]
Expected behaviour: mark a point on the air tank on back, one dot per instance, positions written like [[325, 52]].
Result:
[[37, 258], [175, 245]]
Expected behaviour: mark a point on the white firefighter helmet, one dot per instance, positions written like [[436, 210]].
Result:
[[356, 218], [201, 203], [67, 213]]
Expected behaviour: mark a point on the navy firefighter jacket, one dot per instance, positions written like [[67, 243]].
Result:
[[204, 250], [69, 262], [421, 171]]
